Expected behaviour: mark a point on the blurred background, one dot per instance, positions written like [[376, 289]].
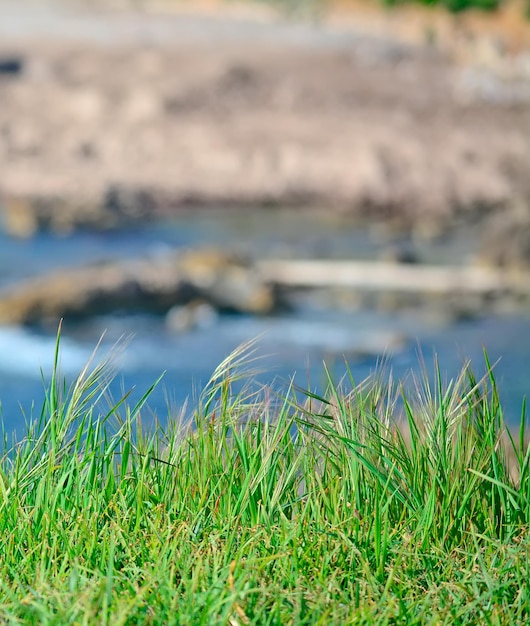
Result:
[[346, 180]]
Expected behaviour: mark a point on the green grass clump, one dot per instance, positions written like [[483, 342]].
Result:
[[371, 506], [455, 6], [316, 7], [319, 8]]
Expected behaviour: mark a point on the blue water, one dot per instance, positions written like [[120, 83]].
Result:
[[291, 345]]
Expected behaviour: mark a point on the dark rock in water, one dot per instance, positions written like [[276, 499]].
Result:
[[401, 253], [124, 204], [194, 315], [505, 239], [222, 281], [118, 207], [11, 65]]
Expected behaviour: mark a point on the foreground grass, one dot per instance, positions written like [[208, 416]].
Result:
[[267, 509]]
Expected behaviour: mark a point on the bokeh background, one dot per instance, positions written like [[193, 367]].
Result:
[[166, 166]]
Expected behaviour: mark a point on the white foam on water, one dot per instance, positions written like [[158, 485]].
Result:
[[26, 353], [327, 335]]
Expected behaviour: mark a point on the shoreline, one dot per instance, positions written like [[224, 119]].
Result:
[[95, 135]]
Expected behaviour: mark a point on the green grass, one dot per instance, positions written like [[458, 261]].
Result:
[[267, 509], [317, 7]]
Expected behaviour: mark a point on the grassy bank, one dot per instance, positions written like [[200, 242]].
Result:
[[267, 509], [453, 6], [321, 7]]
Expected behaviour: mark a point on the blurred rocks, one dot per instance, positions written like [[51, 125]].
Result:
[[11, 65], [118, 207], [214, 279], [101, 136], [400, 253], [196, 314], [506, 239]]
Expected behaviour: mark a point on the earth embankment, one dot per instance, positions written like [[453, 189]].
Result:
[[112, 118]]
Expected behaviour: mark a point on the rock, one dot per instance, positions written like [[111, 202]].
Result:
[[11, 65], [217, 280], [505, 240], [400, 253], [19, 218], [117, 207], [100, 136], [194, 315]]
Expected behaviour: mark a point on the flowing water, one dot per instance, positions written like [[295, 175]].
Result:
[[290, 345]]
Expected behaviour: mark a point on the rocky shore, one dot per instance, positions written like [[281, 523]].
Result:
[[190, 288], [202, 281], [137, 116]]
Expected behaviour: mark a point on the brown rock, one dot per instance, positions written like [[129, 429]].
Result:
[[219, 280], [95, 136], [505, 240]]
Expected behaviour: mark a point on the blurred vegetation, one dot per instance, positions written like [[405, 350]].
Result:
[[454, 6]]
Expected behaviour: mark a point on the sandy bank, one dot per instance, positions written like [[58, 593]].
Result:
[[117, 117]]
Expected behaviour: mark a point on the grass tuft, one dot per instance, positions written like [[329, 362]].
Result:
[[371, 505]]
